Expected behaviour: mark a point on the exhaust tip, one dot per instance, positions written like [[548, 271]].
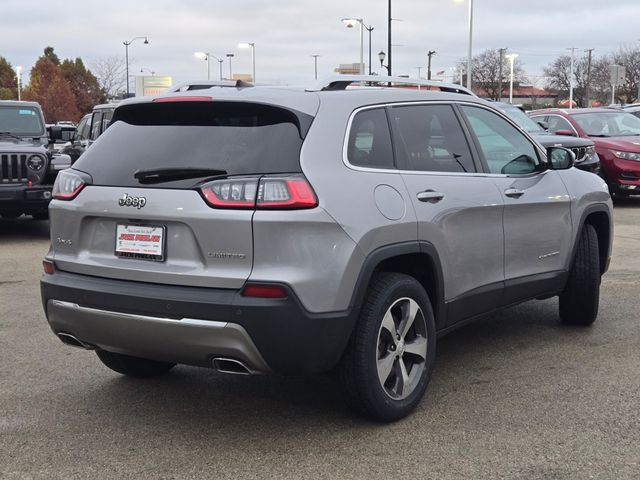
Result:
[[72, 341], [230, 365]]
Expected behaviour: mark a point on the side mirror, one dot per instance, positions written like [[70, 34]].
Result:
[[565, 133], [543, 124], [59, 133], [560, 158]]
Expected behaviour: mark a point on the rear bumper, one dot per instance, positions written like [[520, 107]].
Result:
[[194, 325], [24, 198]]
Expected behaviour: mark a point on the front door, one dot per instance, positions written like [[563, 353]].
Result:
[[537, 219], [458, 210]]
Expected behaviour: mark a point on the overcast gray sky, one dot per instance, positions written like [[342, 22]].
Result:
[[288, 32]]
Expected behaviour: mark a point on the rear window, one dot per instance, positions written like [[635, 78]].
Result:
[[239, 138]]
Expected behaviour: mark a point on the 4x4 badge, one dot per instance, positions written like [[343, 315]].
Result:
[[129, 201]]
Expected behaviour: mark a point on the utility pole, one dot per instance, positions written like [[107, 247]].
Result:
[[502, 50], [587, 93], [573, 49], [430, 54], [419, 72]]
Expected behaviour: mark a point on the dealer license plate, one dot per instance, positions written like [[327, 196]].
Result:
[[140, 241]]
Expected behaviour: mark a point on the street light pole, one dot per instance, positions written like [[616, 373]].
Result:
[[126, 54], [571, 79], [350, 23], [511, 57], [253, 58], [389, 40], [230, 56], [315, 66], [469, 53]]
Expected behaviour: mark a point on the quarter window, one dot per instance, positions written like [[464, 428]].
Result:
[[505, 149], [370, 140], [96, 123], [430, 138]]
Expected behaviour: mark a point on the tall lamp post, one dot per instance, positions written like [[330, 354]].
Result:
[[126, 52], [230, 56], [315, 66], [381, 57], [206, 56], [19, 80], [470, 46], [253, 57], [350, 23], [511, 57]]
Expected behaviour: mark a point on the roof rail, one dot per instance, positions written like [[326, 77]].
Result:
[[341, 82], [206, 84]]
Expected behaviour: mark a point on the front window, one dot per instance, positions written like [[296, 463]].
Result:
[[20, 120], [608, 124], [505, 149]]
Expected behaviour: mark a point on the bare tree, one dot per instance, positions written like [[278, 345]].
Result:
[[629, 57], [111, 72], [559, 71], [485, 69]]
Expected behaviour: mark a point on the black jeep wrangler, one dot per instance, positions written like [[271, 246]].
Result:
[[28, 164]]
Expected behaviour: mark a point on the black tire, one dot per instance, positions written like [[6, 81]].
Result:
[[133, 366], [581, 296], [364, 392]]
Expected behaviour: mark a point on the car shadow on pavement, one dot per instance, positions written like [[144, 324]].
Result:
[[195, 399], [23, 228]]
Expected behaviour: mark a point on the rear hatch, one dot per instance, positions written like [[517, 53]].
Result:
[[168, 191]]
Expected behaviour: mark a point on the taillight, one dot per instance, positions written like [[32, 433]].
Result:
[[268, 192], [67, 185], [257, 290], [48, 267], [286, 192], [231, 193]]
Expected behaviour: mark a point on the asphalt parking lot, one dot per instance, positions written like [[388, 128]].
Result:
[[512, 396]]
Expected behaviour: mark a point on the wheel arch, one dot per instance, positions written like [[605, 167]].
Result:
[[598, 216], [417, 259]]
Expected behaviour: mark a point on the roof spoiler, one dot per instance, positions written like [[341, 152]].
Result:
[[341, 82], [206, 84]]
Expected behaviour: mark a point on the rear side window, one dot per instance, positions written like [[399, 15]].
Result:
[[96, 123], [370, 140], [430, 138], [235, 137]]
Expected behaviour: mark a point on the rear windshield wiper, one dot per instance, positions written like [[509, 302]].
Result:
[[160, 175]]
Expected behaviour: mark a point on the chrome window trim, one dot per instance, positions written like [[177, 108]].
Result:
[[542, 156]]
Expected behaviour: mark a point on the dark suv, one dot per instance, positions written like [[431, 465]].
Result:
[[616, 134], [91, 126], [28, 166]]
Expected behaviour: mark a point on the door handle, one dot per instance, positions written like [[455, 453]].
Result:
[[514, 192], [430, 196]]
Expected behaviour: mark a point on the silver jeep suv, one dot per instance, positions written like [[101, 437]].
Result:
[[282, 230]]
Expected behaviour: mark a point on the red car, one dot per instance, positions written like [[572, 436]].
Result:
[[616, 135]]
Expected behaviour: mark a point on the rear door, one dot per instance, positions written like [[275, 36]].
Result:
[[537, 221], [459, 210], [140, 220]]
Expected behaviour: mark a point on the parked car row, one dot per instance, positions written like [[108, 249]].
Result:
[[284, 230], [616, 135]]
